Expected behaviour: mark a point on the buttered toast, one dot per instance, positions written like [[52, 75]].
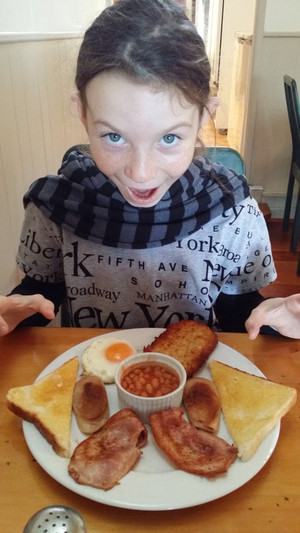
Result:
[[188, 341], [251, 405], [47, 403]]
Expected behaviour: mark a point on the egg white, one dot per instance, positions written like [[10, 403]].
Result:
[[95, 363]]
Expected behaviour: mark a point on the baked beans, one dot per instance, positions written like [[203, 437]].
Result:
[[150, 380]]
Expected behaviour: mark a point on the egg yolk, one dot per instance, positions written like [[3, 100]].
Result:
[[118, 351]]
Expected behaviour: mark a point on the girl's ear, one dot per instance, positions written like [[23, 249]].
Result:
[[77, 102]]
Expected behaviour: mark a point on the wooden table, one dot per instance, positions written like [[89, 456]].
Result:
[[270, 502]]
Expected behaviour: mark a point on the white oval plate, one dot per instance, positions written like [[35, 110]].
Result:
[[154, 484]]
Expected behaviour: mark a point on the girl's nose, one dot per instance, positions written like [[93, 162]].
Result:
[[140, 167]]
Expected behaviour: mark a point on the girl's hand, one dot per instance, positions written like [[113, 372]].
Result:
[[283, 314], [17, 307]]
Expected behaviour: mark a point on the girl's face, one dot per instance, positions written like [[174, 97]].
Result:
[[142, 139]]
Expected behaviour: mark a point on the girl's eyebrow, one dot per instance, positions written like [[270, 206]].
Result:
[[103, 123], [179, 125], [184, 124]]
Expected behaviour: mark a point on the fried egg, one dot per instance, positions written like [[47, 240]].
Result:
[[102, 357]]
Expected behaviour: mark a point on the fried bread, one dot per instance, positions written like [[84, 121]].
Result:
[[251, 405], [47, 403], [188, 341]]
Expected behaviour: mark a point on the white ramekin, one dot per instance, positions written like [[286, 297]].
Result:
[[143, 407]]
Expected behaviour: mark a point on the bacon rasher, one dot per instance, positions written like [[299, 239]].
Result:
[[191, 449], [109, 454]]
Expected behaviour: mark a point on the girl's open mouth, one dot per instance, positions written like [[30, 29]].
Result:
[[143, 195]]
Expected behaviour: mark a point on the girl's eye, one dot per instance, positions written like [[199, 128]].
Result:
[[168, 139], [114, 138]]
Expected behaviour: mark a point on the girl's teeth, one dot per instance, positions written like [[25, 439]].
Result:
[[142, 193]]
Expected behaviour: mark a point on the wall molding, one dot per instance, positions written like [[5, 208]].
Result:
[[281, 34], [11, 37]]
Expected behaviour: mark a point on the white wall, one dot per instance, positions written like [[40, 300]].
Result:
[[45, 16], [282, 15]]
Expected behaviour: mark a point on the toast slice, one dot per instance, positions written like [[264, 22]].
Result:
[[188, 341], [47, 403], [251, 405]]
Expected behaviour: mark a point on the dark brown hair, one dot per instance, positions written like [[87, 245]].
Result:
[[151, 41]]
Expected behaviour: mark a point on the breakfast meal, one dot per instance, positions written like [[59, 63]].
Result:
[[251, 405], [90, 404], [47, 403], [202, 404], [106, 456], [150, 379], [102, 357], [190, 449], [188, 341]]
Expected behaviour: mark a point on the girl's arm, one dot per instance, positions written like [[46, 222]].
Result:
[[232, 311], [252, 313], [31, 303], [283, 314]]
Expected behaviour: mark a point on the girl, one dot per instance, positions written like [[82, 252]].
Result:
[[138, 233]]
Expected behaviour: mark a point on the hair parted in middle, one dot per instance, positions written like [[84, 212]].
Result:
[[151, 41]]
